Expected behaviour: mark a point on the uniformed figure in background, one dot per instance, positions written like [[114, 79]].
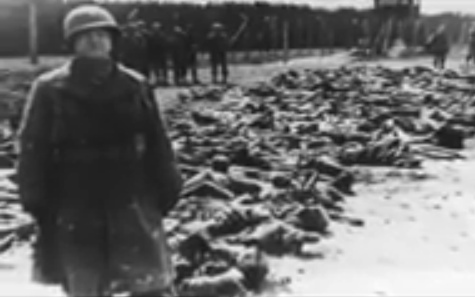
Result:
[[97, 171], [143, 39], [159, 51], [471, 46], [127, 48], [179, 54], [134, 49], [191, 49], [439, 46], [217, 43]]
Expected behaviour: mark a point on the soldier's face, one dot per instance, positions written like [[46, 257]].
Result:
[[94, 43]]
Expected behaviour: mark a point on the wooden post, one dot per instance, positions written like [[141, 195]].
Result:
[[286, 42], [33, 31]]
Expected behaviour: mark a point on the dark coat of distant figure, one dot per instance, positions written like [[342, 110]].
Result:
[[439, 46], [217, 43]]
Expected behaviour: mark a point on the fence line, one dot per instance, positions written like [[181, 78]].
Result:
[[307, 27]]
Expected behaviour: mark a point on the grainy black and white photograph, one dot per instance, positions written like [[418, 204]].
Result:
[[237, 148]]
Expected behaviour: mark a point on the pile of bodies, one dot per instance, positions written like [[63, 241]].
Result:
[[268, 167]]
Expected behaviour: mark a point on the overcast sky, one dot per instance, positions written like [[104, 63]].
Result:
[[428, 6]]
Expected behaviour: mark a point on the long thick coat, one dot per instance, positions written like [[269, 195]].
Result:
[[98, 172], [439, 44]]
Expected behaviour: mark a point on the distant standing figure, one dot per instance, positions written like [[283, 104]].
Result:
[[179, 57], [191, 49], [143, 37], [439, 46], [159, 50], [218, 44], [471, 47], [134, 48]]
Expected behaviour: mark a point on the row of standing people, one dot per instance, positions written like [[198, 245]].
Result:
[[439, 46], [153, 50]]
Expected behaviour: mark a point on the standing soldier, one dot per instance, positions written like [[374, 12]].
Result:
[[217, 43], [126, 48], [191, 49], [365, 37], [142, 39], [96, 169], [179, 59], [134, 48], [439, 46], [159, 53], [471, 46]]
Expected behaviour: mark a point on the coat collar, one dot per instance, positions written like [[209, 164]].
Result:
[[86, 80]]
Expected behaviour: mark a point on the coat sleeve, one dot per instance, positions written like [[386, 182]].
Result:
[[160, 159], [34, 149]]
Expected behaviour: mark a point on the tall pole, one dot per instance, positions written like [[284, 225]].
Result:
[[33, 31]]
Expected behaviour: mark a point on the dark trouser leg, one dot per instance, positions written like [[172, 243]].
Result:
[[158, 70], [194, 68], [443, 59], [179, 68], [436, 61], [214, 67], [224, 67], [184, 69], [162, 71], [194, 74], [154, 70], [176, 69]]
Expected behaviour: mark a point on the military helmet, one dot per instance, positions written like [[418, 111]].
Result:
[[87, 17]]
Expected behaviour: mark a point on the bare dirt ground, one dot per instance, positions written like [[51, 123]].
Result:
[[418, 237]]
